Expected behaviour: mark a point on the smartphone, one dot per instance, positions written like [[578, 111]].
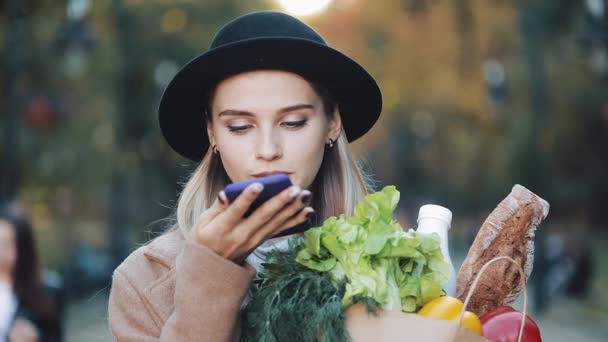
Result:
[[273, 185]]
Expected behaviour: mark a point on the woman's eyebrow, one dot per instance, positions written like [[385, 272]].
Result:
[[234, 112], [296, 107]]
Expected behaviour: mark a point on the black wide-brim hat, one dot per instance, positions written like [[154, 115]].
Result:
[[259, 41]]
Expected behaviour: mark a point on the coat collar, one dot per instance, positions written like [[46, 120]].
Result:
[[159, 294], [166, 248]]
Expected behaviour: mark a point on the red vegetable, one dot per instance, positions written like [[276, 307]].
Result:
[[486, 317], [502, 325]]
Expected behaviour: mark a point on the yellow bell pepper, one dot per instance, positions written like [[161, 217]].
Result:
[[449, 308]]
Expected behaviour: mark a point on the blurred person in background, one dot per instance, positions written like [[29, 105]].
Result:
[[27, 311], [269, 96]]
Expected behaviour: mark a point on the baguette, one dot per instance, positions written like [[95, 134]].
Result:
[[508, 231]]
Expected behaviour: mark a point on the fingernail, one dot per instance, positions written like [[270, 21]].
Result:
[[294, 192], [305, 198], [221, 196], [258, 187], [310, 215]]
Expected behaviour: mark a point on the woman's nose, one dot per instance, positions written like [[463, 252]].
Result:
[[269, 148]]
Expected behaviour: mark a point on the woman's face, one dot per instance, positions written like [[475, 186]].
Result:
[[8, 247], [269, 121]]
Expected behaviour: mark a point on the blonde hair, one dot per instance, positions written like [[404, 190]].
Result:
[[339, 185]]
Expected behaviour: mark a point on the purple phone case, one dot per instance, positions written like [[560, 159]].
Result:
[[273, 185]]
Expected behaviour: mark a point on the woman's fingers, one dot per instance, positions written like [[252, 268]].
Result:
[[275, 206], [220, 203], [305, 214], [235, 211], [223, 228], [292, 214], [200, 229]]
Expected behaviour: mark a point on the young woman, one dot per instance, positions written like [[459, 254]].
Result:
[[27, 313], [269, 96]]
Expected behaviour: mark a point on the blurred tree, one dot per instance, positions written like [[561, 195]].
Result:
[[458, 126], [14, 12]]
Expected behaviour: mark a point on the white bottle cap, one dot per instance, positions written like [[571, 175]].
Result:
[[436, 212]]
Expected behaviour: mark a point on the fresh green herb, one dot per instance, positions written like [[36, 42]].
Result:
[[291, 302]]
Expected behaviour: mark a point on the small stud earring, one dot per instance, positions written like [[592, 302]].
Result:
[[215, 150], [331, 143]]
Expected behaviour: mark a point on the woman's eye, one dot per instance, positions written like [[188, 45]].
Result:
[[294, 124], [238, 129]]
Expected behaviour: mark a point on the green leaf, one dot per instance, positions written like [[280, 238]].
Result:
[[375, 243], [321, 265], [410, 287], [373, 258], [429, 288], [408, 304], [313, 241]]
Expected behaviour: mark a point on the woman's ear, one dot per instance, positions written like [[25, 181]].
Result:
[[210, 133], [335, 126]]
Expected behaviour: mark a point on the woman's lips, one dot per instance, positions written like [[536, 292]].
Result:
[[270, 173]]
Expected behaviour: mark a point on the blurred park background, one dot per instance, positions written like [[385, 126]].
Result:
[[479, 95]]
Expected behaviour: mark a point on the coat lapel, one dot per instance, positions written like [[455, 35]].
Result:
[[162, 253]]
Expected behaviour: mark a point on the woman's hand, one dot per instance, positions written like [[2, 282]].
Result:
[[223, 228], [23, 330]]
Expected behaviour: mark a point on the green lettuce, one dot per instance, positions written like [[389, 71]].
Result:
[[372, 256]]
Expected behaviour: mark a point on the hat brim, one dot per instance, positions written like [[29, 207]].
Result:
[[181, 109]]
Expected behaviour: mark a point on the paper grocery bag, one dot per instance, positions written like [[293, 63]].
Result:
[[387, 326], [398, 326]]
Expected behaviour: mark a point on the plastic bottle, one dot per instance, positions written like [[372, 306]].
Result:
[[437, 219]]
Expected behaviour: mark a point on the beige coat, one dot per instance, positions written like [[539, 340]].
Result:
[[177, 290]]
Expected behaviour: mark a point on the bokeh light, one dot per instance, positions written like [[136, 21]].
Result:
[[304, 7], [174, 20]]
